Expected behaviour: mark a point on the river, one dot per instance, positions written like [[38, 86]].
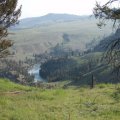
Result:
[[35, 72]]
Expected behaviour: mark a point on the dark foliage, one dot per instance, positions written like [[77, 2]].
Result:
[[64, 68], [58, 69]]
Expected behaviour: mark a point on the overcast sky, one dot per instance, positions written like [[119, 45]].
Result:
[[33, 8]]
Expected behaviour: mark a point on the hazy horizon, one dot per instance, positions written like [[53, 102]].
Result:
[[40, 8], [54, 13]]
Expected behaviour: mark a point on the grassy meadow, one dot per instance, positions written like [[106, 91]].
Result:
[[19, 102]]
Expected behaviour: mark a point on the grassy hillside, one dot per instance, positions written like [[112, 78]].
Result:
[[25, 103], [41, 38]]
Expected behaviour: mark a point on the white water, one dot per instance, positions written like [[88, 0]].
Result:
[[35, 72]]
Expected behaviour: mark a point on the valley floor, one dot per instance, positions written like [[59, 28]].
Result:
[[19, 102]]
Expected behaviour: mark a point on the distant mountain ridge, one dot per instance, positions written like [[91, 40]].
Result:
[[47, 19]]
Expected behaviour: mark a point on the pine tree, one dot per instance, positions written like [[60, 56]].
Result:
[[110, 11], [8, 17]]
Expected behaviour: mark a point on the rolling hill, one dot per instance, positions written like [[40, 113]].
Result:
[[37, 35], [50, 18]]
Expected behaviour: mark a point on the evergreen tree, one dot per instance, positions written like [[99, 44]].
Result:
[[8, 17], [110, 11]]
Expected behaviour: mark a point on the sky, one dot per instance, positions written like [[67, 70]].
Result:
[[34, 8]]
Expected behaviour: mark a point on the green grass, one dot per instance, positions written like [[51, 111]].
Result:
[[100, 103], [6, 85]]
